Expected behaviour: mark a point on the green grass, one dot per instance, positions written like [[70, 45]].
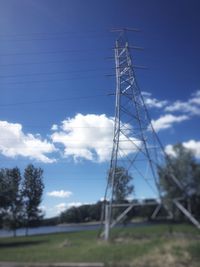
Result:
[[194, 250], [126, 245]]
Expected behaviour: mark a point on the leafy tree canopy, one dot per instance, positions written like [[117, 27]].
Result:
[[122, 184], [183, 165]]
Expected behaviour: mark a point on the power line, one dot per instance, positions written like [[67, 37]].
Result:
[[52, 52], [53, 80], [52, 73], [50, 62], [69, 128], [53, 100], [51, 33], [69, 146], [50, 38]]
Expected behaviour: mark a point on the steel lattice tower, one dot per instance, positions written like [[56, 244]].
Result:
[[136, 146]]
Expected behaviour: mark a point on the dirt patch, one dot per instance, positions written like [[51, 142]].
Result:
[[65, 243], [188, 236], [175, 236], [122, 240], [173, 254]]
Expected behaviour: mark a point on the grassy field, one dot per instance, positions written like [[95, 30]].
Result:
[[150, 246]]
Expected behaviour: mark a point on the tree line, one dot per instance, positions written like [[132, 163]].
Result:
[[92, 212], [182, 164], [20, 197]]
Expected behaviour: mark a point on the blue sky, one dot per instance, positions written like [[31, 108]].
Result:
[[54, 105]]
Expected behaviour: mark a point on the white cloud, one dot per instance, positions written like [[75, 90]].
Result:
[[54, 127], [146, 94], [90, 137], [153, 102], [75, 204], [192, 106], [43, 208], [192, 145], [64, 206], [195, 98], [14, 142], [184, 107], [60, 207], [170, 151], [60, 194], [166, 121]]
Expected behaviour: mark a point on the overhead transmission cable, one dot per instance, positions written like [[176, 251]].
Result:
[[52, 33], [52, 73], [51, 52], [52, 80], [49, 38], [53, 100], [50, 62]]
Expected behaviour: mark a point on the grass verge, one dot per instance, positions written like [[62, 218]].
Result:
[[139, 246]]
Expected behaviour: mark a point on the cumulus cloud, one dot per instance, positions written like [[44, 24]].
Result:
[[60, 207], [64, 206], [184, 107], [192, 106], [152, 102], [189, 107], [75, 204], [170, 151], [196, 98], [91, 136], [54, 127], [166, 121], [14, 142], [192, 145], [60, 194]]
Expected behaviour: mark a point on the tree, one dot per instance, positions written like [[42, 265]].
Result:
[[11, 198], [4, 200], [95, 211], [195, 199], [84, 213], [33, 187], [122, 187], [186, 169], [13, 216], [72, 215]]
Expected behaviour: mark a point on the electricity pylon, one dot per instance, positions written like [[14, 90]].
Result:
[[136, 146]]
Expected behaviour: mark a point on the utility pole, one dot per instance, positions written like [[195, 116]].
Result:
[[136, 146]]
